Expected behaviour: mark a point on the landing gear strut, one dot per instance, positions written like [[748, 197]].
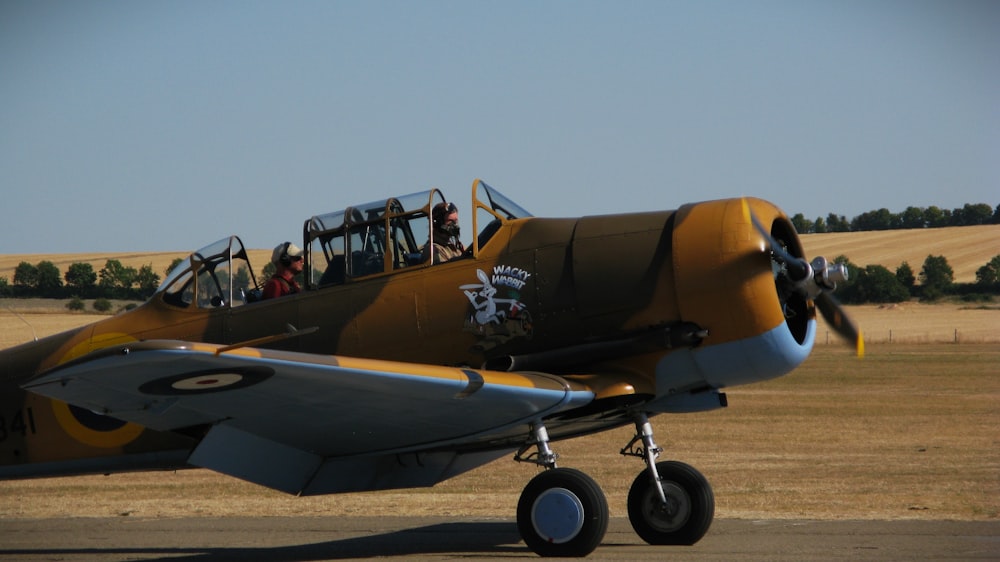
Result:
[[562, 511], [670, 502]]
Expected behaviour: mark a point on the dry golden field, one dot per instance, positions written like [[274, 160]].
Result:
[[914, 322], [966, 248]]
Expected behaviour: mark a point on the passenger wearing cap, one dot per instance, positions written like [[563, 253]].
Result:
[[445, 242], [287, 258]]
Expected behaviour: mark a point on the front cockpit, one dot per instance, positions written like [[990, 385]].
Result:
[[389, 235], [362, 241]]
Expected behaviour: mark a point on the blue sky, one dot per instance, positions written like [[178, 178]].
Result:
[[153, 126]]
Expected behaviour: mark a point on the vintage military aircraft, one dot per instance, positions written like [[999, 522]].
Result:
[[388, 371]]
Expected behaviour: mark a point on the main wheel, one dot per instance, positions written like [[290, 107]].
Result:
[[686, 516], [562, 512]]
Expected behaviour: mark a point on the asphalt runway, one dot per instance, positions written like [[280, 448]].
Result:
[[286, 539]]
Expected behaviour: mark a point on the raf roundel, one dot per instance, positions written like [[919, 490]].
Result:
[[92, 428], [206, 382], [215, 380]]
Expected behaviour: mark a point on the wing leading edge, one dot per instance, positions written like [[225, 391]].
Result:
[[305, 423]]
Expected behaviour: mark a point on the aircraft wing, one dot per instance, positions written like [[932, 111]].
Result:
[[296, 411]]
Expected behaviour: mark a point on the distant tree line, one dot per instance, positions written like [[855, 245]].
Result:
[[876, 284], [912, 217], [868, 284], [113, 281]]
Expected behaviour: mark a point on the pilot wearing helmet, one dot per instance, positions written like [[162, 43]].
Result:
[[445, 243], [287, 258]]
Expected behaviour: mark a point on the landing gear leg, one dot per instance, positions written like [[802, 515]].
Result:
[[670, 502], [562, 511]]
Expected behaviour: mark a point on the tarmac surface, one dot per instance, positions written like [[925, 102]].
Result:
[[285, 539]]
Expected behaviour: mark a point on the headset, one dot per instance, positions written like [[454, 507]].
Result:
[[284, 259], [441, 212]]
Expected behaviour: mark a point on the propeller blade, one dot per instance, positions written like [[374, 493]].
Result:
[[798, 268], [802, 273], [837, 318]]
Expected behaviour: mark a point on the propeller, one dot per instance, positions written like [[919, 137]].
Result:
[[816, 281], [837, 317]]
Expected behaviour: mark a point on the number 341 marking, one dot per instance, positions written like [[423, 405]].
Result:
[[22, 422]]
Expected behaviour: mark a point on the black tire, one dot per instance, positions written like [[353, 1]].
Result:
[[689, 511], [562, 512]]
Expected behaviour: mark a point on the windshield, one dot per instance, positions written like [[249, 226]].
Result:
[[498, 203], [217, 275], [492, 209]]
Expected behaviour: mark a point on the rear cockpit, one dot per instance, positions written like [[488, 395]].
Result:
[[217, 275]]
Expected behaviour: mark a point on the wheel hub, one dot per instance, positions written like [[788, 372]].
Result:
[[557, 515], [672, 515]]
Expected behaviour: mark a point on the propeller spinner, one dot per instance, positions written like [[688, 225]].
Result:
[[814, 281]]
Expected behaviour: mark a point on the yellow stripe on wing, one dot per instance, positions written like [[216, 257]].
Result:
[[502, 378], [452, 373]]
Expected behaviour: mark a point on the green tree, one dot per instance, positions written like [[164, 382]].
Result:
[[25, 278], [934, 217], [241, 280], [989, 274], [877, 284], [936, 277], [906, 277], [116, 279], [912, 217], [76, 304], [837, 223], [173, 264], [81, 278], [972, 214], [802, 224], [848, 291], [819, 227], [147, 280], [881, 219], [49, 281], [5, 288], [269, 270]]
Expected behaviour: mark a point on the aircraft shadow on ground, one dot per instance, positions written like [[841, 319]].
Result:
[[473, 537]]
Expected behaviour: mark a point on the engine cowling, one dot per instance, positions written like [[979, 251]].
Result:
[[727, 283]]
